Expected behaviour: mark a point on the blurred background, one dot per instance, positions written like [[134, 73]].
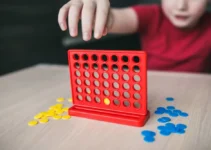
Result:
[[30, 34]]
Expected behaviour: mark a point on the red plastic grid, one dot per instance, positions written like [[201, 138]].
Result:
[[85, 64]]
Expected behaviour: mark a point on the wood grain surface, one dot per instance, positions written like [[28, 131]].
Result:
[[27, 92]]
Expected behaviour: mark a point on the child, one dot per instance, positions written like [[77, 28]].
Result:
[[176, 34]]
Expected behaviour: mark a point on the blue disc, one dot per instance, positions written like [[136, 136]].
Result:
[[170, 107], [165, 132], [181, 126], [168, 111], [162, 109], [164, 119], [180, 131], [183, 114], [173, 114], [149, 139], [177, 111], [169, 98], [158, 112], [161, 127], [148, 133], [170, 125], [171, 128]]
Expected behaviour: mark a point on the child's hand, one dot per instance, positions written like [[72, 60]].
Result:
[[94, 14]]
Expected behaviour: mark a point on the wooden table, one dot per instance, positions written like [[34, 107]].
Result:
[[27, 92]]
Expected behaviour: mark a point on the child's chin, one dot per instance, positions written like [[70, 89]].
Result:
[[182, 24]]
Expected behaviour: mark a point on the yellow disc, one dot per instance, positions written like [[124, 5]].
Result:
[[52, 107], [59, 112], [60, 99], [50, 114], [51, 111], [57, 117], [66, 117], [43, 120], [38, 116], [58, 106], [106, 101], [65, 109], [70, 99], [32, 123]]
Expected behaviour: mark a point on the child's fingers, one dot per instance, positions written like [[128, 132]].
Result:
[[108, 24], [62, 16], [101, 17], [87, 19], [73, 16]]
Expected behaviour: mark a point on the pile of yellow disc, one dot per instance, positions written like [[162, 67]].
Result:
[[55, 112]]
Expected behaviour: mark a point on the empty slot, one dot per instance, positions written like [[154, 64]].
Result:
[[79, 97], [96, 83], [114, 58], [125, 58], [126, 95], [137, 96], [136, 69], [79, 89], [137, 105], [106, 92], [88, 98], [85, 57], [126, 86], [86, 66], [77, 73], [115, 76], [116, 93], [105, 67], [105, 75], [106, 84], [115, 67], [125, 77], [78, 81], [136, 78], [87, 82], [95, 66], [126, 103], [97, 91], [96, 75], [88, 91], [104, 58], [116, 85], [136, 59], [76, 57], [125, 68], [137, 87], [116, 102], [77, 65], [94, 57], [86, 74], [97, 99]]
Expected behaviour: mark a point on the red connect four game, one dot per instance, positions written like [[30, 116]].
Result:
[[109, 85]]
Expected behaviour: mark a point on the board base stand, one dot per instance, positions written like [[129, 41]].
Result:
[[137, 120]]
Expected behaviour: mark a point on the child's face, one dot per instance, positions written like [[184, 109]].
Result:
[[184, 13]]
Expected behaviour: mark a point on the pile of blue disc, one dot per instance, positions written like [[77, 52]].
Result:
[[171, 111], [172, 128], [149, 136]]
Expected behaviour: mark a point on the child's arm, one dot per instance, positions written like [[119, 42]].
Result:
[[124, 21], [96, 15]]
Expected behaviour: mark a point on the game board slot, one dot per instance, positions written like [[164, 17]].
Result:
[[94, 57], [136, 59], [114, 58], [85, 57], [136, 68]]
